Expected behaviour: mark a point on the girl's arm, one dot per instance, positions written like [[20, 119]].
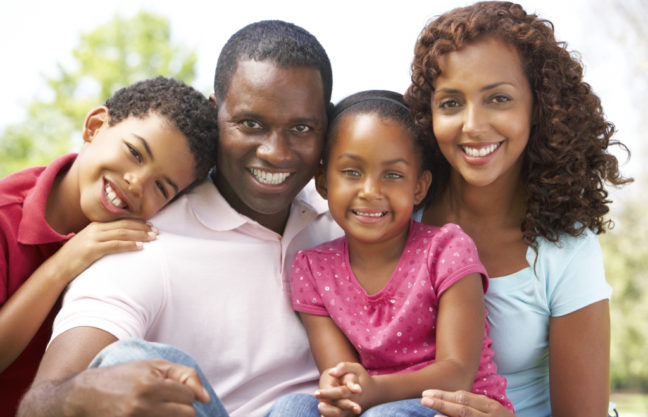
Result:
[[579, 362], [22, 315], [459, 334]]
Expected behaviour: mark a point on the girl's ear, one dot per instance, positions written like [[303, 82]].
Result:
[[94, 121], [320, 181], [422, 186]]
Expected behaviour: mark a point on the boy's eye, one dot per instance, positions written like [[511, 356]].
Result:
[[162, 189], [302, 128], [134, 152]]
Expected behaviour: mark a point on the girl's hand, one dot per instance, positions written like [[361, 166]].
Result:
[[99, 239], [463, 404], [345, 390]]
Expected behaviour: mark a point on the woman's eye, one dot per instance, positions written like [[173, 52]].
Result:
[[134, 152], [500, 99], [448, 104], [162, 189]]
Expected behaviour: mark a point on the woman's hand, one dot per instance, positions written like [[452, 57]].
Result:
[[463, 404]]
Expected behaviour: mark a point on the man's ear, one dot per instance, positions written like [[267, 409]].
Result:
[[94, 121], [422, 186], [320, 181]]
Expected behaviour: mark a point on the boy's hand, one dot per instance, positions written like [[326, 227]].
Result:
[[344, 390], [99, 239]]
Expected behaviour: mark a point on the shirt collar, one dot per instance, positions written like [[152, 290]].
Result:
[[33, 228]]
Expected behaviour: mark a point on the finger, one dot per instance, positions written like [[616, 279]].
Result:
[[333, 393], [346, 404], [458, 403], [352, 382], [187, 376], [329, 410], [343, 368]]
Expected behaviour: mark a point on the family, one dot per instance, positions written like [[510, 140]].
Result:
[[420, 254]]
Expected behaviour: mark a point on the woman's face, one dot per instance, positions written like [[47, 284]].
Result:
[[481, 111]]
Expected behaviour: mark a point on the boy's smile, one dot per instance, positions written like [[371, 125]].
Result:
[[131, 169]]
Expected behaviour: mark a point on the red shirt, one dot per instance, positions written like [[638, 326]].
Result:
[[26, 241]]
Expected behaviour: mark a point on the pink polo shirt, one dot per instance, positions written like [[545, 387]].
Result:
[[394, 330], [26, 241], [215, 285]]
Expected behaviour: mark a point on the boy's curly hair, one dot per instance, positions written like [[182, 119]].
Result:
[[184, 107], [566, 162]]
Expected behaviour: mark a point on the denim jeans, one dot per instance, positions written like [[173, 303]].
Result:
[[136, 349], [305, 405]]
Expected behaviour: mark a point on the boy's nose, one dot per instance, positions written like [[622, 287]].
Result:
[[134, 181]]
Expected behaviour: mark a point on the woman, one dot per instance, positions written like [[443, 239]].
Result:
[[521, 162]]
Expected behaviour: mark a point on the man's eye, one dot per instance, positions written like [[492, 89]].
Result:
[[302, 128], [251, 124]]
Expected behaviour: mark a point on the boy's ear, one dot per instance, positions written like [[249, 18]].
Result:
[[94, 121], [213, 100], [422, 186], [320, 181]]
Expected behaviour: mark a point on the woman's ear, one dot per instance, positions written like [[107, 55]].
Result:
[[94, 121], [422, 186], [320, 181]]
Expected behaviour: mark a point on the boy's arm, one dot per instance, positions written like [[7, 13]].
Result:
[[22, 315], [63, 387]]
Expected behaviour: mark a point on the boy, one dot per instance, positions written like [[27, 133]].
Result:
[[148, 143]]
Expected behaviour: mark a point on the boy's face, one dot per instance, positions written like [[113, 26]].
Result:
[[272, 124], [131, 169]]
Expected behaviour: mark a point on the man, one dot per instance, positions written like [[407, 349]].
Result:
[[214, 283]]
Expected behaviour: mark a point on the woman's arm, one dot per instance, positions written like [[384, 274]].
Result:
[[579, 362]]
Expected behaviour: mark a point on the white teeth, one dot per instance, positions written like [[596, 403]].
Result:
[[271, 178], [481, 151], [362, 213], [112, 197]]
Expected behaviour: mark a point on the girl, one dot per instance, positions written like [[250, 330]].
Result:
[[520, 163], [394, 307]]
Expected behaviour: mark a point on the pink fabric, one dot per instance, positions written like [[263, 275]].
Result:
[[394, 330]]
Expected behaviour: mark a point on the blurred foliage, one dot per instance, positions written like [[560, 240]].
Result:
[[626, 247], [112, 56]]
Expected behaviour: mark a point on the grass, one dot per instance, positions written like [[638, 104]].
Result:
[[632, 403]]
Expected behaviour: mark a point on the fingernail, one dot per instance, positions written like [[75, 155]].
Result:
[[139, 245], [152, 235]]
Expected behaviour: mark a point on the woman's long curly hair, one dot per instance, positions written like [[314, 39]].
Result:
[[566, 162]]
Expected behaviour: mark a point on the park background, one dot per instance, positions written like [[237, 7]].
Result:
[[59, 59]]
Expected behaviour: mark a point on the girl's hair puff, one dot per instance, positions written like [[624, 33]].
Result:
[[566, 163]]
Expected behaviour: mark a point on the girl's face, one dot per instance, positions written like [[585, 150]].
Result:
[[482, 110], [373, 178]]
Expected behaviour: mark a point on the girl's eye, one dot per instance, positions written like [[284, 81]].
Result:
[[134, 152], [351, 172], [302, 128], [162, 189], [393, 175], [251, 124]]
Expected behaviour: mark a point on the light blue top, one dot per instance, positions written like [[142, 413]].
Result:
[[567, 276]]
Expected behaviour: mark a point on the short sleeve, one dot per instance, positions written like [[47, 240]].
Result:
[[454, 256], [576, 275], [303, 288], [120, 294]]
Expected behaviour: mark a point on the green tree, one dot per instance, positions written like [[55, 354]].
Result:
[[112, 56]]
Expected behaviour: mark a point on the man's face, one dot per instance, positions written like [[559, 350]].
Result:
[[272, 124]]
